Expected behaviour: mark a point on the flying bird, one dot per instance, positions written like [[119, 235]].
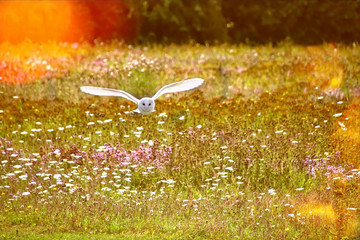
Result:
[[145, 105]]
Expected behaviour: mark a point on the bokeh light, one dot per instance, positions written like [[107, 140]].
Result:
[[37, 20], [347, 134], [70, 21], [323, 212], [25, 24]]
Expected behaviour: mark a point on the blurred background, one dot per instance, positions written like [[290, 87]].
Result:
[[181, 21]]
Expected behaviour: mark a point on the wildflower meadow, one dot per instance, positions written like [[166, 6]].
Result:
[[267, 148]]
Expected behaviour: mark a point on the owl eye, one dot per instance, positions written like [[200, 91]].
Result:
[[143, 104], [149, 104]]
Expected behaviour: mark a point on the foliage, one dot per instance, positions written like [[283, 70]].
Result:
[[303, 21], [182, 21]]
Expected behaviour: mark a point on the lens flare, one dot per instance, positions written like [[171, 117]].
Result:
[[33, 30], [36, 20], [328, 74], [347, 134], [325, 71], [325, 212], [63, 20]]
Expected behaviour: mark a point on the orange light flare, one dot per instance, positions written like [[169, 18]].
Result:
[[70, 21], [328, 74], [343, 222], [323, 212], [41, 21], [31, 30], [346, 137], [325, 71], [24, 23]]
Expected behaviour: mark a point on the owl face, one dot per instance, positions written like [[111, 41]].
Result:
[[146, 105]]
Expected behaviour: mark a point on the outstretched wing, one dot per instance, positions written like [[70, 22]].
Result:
[[179, 86], [108, 92]]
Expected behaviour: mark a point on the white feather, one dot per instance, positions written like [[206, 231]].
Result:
[[179, 86], [109, 92], [145, 105]]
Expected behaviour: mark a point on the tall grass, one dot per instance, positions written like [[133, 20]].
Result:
[[267, 148]]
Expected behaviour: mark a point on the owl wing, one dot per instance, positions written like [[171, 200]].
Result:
[[179, 86], [99, 91]]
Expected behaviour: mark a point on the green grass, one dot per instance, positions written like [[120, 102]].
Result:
[[260, 151]]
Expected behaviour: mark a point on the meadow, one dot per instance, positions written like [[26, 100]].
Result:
[[267, 148]]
